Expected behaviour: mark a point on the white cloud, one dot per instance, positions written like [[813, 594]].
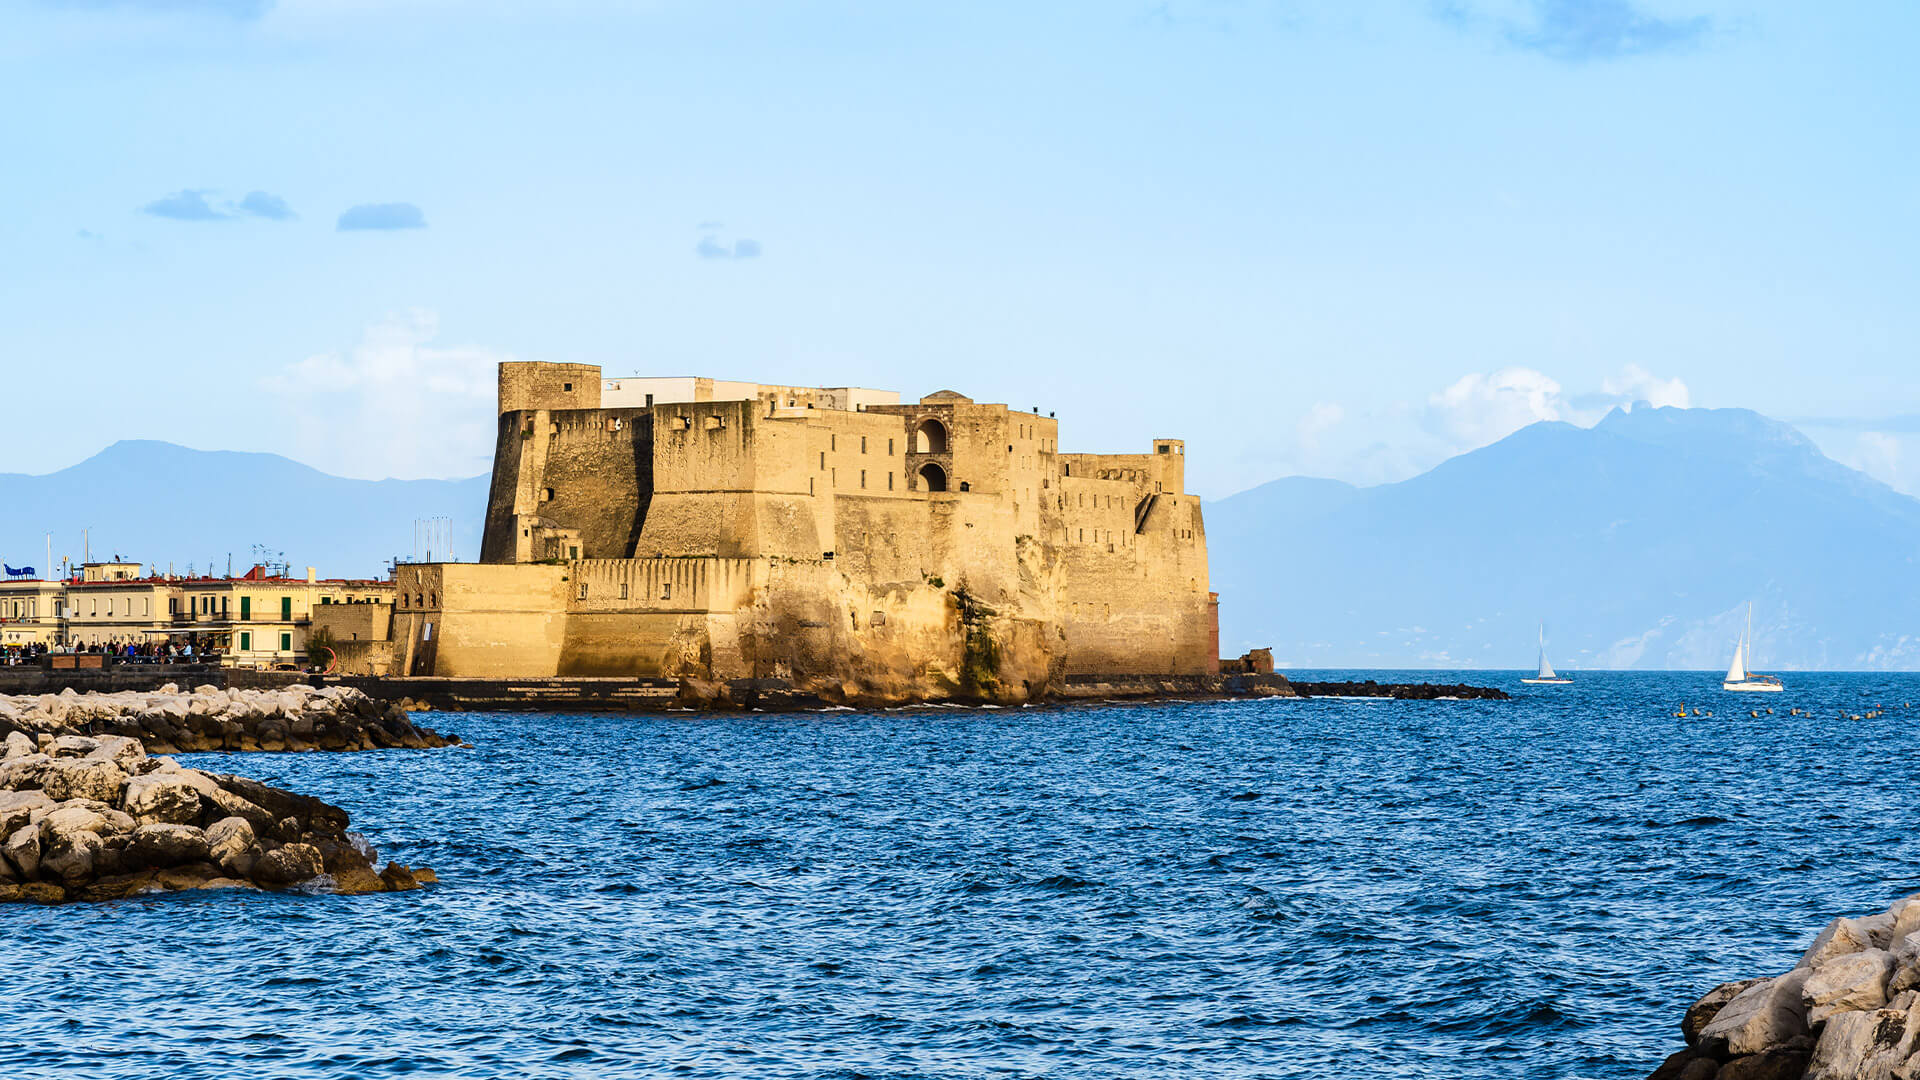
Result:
[[394, 405], [1322, 418], [1635, 384], [1483, 408], [1395, 440], [1889, 457]]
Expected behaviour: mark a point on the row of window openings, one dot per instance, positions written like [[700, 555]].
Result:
[[833, 477], [203, 605], [833, 444], [246, 641], [666, 590]]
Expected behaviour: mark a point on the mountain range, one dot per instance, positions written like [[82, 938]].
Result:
[[167, 505], [1639, 542]]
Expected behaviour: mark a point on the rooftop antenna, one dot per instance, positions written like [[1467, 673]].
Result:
[[272, 563]]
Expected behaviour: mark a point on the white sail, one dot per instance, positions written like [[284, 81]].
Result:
[[1546, 669], [1738, 671]]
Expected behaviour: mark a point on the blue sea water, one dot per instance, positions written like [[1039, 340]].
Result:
[[1270, 888]]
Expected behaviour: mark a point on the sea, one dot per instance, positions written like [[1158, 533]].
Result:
[[1262, 888]]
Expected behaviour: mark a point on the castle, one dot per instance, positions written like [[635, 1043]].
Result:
[[834, 538]]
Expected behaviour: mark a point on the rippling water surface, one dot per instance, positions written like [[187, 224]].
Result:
[[1265, 888]]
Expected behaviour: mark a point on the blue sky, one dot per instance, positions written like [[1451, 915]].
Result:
[[1333, 238]]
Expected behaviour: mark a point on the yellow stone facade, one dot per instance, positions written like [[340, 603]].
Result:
[[887, 551]]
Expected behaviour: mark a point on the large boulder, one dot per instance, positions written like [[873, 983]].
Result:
[[17, 745], [288, 864], [1864, 1045], [1766, 1015], [122, 750], [1842, 936], [1847, 983], [23, 771], [167, 798], [21, 848], [1906, 965], [229, 838], [18, 808], [1701, 1012], [69, 855], [308, 812], [83, 778], [72, 746], [166, 845]]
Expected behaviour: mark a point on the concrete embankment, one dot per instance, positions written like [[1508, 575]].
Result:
[[86, 818], [1848, 1010], [171, 720]]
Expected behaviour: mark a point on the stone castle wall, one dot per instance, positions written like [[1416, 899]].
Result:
[[932, 549]]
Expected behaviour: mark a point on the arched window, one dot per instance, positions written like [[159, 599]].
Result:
[[933, 477], [930, 438]]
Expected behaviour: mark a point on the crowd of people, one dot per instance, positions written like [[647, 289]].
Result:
[[125, 651]]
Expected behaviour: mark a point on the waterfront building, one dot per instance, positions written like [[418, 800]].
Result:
[[32, 612], [258, 620], [836, 538]]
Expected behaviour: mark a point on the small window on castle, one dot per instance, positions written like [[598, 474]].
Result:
[[809, 485], [666, 591], [863, 444], [833, 442], [566, 388], [823, 461], [546, 494], [573, 552], [649, 401], [623, 590], [583, 590], [889, 447], [889, 481], [863, 478]]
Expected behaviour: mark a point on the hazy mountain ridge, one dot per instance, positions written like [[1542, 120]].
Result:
[[1639, 541], [160, 503]]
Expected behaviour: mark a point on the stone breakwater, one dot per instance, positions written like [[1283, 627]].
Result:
[[173, 721], [1399, 691], [99, 819], [1849, 1010]]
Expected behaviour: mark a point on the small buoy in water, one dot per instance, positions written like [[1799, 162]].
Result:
[[1681, 715], [1856, 716], [1769, 712], [1755, 714]]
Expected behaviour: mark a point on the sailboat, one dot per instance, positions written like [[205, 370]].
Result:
[[1738, 677], [1546, 675]]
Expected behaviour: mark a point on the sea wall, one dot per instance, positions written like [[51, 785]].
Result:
[[172, 720], [1849, 1009]]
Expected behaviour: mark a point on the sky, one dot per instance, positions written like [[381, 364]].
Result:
[[1343, 238]]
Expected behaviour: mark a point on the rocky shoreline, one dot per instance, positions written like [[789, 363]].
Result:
[[1400, 691], [175, 721], [85, 818], [1849, 1010]]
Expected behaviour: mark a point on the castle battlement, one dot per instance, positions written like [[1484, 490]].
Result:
[[734, 530]]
